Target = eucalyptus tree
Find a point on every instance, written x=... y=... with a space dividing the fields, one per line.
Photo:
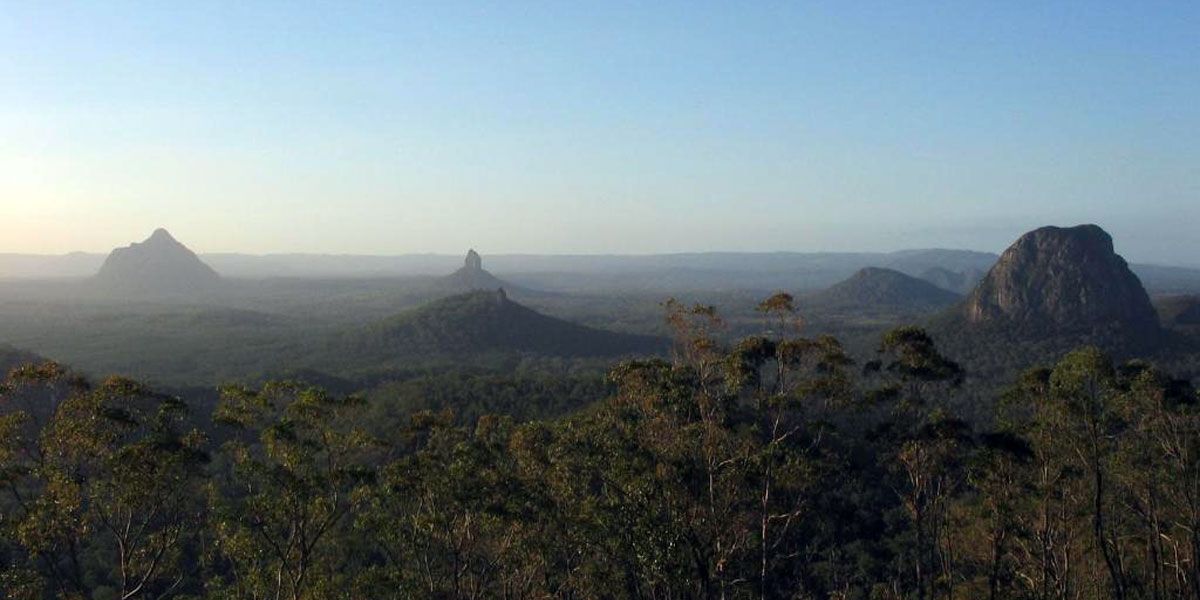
x=453 y=518
x=926 y=443
x=105 y=493
x=299 y=467
x=730 y=434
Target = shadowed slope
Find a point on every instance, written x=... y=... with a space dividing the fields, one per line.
x=489 y=323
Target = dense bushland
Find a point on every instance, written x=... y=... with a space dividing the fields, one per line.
x=774 y=467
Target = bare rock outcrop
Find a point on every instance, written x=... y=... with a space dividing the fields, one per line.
x=1058 y=278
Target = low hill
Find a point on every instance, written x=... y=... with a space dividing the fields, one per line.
x=876 y=288
x=488 y=323
x=159 y=265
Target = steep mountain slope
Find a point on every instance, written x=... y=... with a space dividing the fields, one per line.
x=873 y=287
x=471 y=276
x=483 y=323
x=1055 y=289
x=158 y=265
x=1061 y=278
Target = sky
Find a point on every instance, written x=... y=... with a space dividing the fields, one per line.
x=598 y=127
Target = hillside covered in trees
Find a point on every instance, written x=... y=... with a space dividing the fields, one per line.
x=770 y=467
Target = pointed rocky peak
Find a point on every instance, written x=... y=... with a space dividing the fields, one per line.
x=471 y=276
x=1061 y=277
x=159 y=264
x=160 y=236
x=474 y=262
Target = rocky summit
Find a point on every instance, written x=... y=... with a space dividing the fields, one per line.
x=159 y=264
x=1061 y=278
x=471 y=276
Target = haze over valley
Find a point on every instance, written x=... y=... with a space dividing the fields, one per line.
x=158 y=310
x=463 y=300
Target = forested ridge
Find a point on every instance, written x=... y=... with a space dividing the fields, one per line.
x=770 y=467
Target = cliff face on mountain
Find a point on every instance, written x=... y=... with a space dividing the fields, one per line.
x=1052 y=291
x=1057 y=278
x=471 y=277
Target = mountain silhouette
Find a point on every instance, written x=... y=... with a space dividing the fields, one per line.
x=472 y=277
x=158 y=265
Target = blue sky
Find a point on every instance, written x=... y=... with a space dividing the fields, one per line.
x=576 y=127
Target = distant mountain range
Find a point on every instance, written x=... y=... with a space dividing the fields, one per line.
x=954 y=270
x=1054 y=289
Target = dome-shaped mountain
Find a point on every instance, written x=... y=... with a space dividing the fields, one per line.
x=1057 y=278
x=479 y=323
x=873 y=287
x=158 y=265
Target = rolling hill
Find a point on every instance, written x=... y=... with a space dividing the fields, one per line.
x=874 y=288
x=487 y=323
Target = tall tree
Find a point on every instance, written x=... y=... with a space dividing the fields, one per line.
x=299 y=467
x=107 y=494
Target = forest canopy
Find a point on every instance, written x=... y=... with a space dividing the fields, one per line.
x=772 y=466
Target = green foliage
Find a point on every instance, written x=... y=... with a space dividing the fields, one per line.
x=759 y=467
x=481 y=324
x=297 y=473
x=105 y=495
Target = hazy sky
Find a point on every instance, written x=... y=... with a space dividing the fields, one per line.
x=609 y=126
